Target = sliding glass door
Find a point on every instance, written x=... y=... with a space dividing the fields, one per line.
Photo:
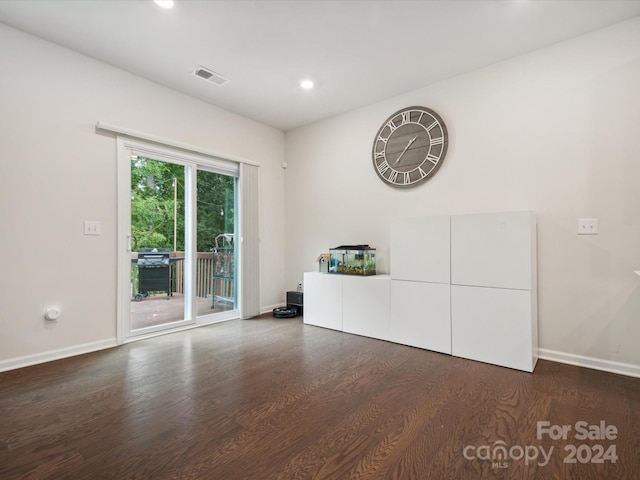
x=177 y=263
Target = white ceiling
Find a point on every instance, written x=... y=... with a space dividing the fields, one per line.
x=358 y=52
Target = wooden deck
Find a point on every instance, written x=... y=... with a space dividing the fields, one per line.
x=158 y=310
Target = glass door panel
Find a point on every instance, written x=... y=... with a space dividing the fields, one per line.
x=215 y=233
x=158 y=246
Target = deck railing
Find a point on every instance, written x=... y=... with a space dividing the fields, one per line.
x=205 y=282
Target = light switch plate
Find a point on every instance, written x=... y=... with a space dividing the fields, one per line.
x=92 y=227
x=587 y=226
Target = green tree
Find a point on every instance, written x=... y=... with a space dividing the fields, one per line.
x=215 y=208
x=152 y=205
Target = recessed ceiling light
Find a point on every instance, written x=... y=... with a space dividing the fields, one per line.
x=306 y=84
x=164 y=3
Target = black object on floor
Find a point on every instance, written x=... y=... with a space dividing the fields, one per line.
x=285 y=312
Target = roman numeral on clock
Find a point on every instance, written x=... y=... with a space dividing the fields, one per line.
x=433 y=159
x=383 y=167
x=392 y=126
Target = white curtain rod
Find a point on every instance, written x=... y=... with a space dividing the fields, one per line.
x=105 y=127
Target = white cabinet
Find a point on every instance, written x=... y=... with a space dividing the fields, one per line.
x=493 y=291
x=493 y=250
x=420 y=315
x=494 y=325
x=420 y=277
x=420 y=249
x=365 y=306
x=323 y=300
x=358 y=305
x=462 y=284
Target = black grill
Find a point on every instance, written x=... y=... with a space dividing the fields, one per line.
x=154 y=272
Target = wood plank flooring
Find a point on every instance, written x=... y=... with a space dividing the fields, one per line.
x=275 y=399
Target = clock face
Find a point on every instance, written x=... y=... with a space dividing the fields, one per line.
x=410 y=147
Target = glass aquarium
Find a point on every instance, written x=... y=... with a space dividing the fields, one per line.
x=353 y=260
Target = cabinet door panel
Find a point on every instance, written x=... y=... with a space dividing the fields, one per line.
x=365 y=309
x=493 y=325
x=420 y=249
x=420 y=315
x=493 y=250
x=323 y=300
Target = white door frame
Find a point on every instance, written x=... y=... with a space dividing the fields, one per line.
x=126 y=148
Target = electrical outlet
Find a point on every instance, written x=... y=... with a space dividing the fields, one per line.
x=92 y=227
x=587 y=226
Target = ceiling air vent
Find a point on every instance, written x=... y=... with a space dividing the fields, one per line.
x=210 y=76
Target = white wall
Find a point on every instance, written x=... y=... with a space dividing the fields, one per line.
x=554 y=131
x=56 y=172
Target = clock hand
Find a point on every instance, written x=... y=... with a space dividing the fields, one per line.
x=405 y=149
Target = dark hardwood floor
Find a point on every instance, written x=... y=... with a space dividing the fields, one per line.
x=276 y=399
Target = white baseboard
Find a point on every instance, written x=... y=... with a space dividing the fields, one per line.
x=589 y=362
x=52 y=355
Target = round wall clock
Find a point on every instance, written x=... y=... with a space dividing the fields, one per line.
x=410 y=147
